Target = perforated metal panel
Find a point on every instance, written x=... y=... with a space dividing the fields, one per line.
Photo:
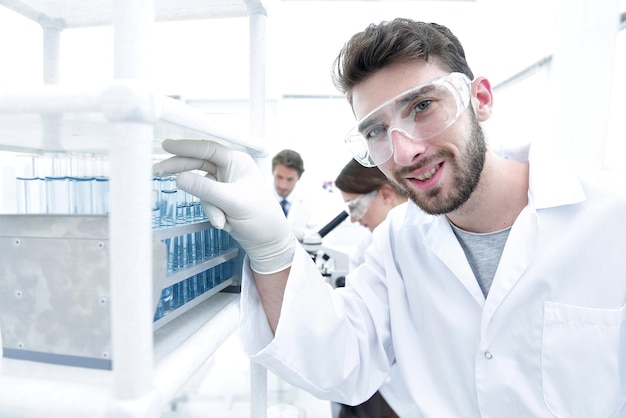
x=54 y=289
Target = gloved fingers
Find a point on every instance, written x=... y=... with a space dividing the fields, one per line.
x=224 y=196
x=204 y=150
x=178 y=164
x=211 y=176
x=214 y=214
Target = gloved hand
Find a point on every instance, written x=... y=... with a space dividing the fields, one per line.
x=234 y=198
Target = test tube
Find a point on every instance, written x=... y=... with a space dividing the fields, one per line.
x=30 y=188
x=212 y=242
x=81 y=195
x=100 y=195
x=156 y=210
x=57 y=194
x=191 y=285
x=200 y=246
x=190 y=247
x=226 y=271
x=167 y=300
x=177 y=250
x=168 y=207
x=168 y=183
x=213 y=277
x=223 y=240
x=201 y=283
x=196 y=209
x=30 y=195
x=177 y=295
x=170 y=254
x=182 y=210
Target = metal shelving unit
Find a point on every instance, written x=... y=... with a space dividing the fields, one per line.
x=126 y=121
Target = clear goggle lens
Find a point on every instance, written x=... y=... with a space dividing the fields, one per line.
x=418 y=113
x=358 y=206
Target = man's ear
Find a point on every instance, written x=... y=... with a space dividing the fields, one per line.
x=482 y=98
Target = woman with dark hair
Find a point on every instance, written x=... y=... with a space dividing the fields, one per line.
x=369 y=196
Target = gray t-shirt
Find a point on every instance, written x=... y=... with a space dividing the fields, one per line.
x=483 y=252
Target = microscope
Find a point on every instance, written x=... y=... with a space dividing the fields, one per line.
x=332 y=264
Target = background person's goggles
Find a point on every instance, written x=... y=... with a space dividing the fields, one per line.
x=358 y=206
x=418 y=113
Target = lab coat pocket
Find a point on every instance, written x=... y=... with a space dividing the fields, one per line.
x=582 y=354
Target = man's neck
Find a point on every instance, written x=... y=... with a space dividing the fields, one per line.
x=499 y=197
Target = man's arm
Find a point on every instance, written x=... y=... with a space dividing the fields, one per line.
x=271 y=288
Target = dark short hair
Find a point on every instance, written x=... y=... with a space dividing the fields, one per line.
x=358 y=179
x=398 y=40
x=290 y=159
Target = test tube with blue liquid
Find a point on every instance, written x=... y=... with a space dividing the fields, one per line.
x=101 y=195
x=57 y=194
x=30 y=195
x=224 y=240
x=168 y=207
x=226 y=271
x=81 y=194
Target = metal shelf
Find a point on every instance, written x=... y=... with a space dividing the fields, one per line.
x=127 y=121
x=31 y=389
x=76 y=14
x=61 y=119
x=198 y=268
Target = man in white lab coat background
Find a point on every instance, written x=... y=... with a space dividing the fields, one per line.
x=296 y=202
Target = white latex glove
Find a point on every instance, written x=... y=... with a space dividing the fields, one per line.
x=234 y=198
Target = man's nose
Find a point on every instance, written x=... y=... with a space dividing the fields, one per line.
x=405 y=147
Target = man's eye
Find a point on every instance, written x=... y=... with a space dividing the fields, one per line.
x=375 y=133
x=421 y=106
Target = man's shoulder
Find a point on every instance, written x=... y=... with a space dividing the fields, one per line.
x=407 y=218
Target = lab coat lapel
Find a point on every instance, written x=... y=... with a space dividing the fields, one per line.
x=518 y=252
x=442 y=241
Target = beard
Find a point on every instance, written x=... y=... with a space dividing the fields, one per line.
x=466 y=171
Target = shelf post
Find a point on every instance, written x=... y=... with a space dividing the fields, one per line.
x=258 y=18
x=51 y=69
x=130 y=223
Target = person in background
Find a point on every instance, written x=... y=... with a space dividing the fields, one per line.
x=287 y=170
x=507 y=300
x=369 y=196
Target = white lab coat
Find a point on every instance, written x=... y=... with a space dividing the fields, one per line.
x=394 y=388
x=549 y=340
x=357 y=257
x=302 y=216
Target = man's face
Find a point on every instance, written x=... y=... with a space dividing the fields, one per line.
x=285 y=180
x=440 y=173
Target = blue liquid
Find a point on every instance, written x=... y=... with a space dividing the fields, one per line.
x=101 y=196
x=30 y=195
x=168 y=207
x=81 y=194
x=57 y=195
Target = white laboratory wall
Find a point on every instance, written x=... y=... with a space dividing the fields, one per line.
x=556 y=105
x=519 y=113
x=615 y=149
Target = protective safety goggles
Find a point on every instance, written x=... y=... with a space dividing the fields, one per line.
x=418 y=113
x=358 y=206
